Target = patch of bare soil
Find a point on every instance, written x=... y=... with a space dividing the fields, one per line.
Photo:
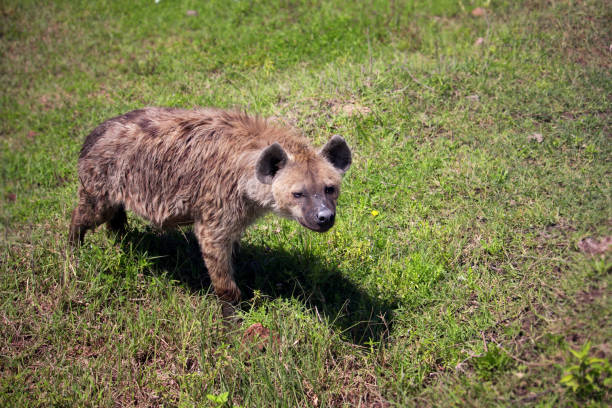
x=591 y=295
x=582 y=31
x=349 y=108
x=595 y=246
x=358 y=385
x=554 y=236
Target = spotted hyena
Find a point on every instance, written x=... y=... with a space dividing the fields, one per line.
x=218 y=170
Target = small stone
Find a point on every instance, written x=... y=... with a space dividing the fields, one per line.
x=478 y=12
x=192 y=13
x=352 y=109
x=536 y=136
x=259 y=336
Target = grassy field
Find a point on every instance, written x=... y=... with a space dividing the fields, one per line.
x=469 y=256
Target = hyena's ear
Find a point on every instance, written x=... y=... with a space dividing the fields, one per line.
x=337 y=152
x=271 y=160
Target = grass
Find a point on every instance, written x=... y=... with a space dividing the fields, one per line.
x=454 y=275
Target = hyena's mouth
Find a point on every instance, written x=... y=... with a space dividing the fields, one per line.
x=316 y=226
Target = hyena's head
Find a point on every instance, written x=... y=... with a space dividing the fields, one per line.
x=306 y=186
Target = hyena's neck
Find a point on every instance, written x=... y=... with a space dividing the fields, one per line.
x=259 y=194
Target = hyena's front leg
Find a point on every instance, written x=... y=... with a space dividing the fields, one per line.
x=217 y=254
x=90 y=212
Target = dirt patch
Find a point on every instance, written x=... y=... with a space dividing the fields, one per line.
x=595 y=246
x=602 y=350
x=351 y=109
x=530 y=323
x=358 y=386
x=591 y=295
x=554 y=236
x=535 y=136
x=53 y=100
x=19 y=344
x=561 y=225
x=581 y=31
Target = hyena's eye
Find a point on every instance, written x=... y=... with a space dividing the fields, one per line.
x=298 y=194
x=330 y=190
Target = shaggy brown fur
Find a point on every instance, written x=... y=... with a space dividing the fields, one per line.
x=218 y=170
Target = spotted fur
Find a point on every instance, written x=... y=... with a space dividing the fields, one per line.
x=218 y=170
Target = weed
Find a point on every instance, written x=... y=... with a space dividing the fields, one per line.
x=492 y=362
x=219 y=400
x=590 y=378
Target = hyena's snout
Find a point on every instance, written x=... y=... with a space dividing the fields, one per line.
x=325 y=218
x=320 y=217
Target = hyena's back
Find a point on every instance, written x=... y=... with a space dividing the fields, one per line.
x=165 y=164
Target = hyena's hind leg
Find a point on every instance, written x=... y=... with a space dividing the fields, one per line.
x=91 y=212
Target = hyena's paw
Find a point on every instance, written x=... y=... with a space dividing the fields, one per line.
x=231 y=319
x=76 y=235
x=229 y=299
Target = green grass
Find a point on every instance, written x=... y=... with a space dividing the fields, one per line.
x=468 y=288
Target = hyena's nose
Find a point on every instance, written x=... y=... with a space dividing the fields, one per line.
x=325 y=216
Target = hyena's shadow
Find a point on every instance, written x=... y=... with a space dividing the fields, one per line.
x=275 y=273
